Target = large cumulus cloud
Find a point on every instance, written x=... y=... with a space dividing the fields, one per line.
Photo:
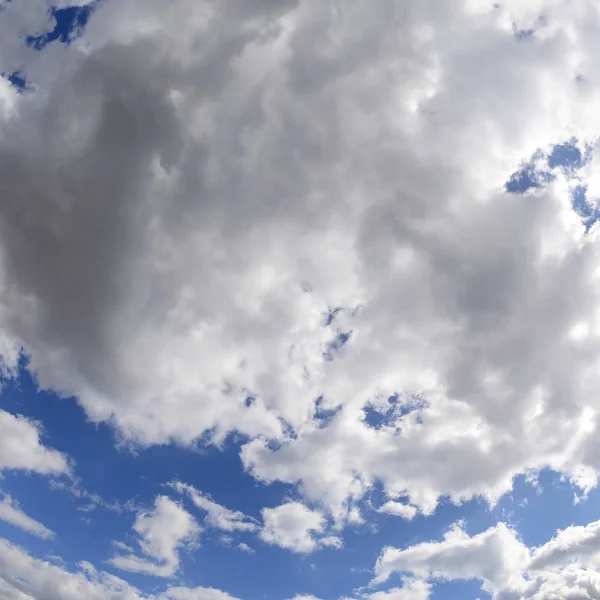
x=188 y=192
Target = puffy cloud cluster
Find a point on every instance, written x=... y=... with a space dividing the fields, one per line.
x=296 y=527
x=292 y=525
x=161 y=533
x=564 y=567
x=275 y=218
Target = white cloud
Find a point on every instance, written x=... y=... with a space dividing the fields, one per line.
x=217 y=516
x=495 y=556
x=28 y=578
x=406 y=511
x=207 y=180
x=331 y=541
x=195 y=594
x=12 y=513
x=412 y=589
x=575 y=543
x=21 y=447
x=245 y=548
x=564 y=567
x=187 y=190
x=292 y=526
x=23 y=577
x=162 y=533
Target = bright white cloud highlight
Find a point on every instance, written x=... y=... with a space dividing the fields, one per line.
x=295 y=527
x=161 y=534
x=406 y=511
x=181 y=593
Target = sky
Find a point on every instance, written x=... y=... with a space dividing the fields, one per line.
x=299 y=300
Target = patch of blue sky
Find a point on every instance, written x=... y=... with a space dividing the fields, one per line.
x=568 y=157
x=69 y=22
x=17 y=79
x=335 y=346
x=376 y=417
x=331 y=314
x=325 y=415
x=538 y=510
x=589 y=211
x=528 y=176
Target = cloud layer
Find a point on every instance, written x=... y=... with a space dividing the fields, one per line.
x=288 y=221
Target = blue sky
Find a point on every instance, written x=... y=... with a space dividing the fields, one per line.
x=290 y=310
